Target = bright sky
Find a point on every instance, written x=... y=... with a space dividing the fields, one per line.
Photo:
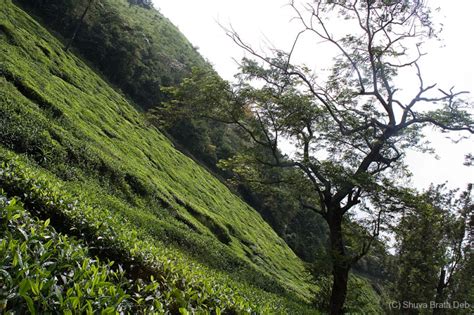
x=264 y=23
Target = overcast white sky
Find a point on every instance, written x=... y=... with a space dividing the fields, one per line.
x=261 y=22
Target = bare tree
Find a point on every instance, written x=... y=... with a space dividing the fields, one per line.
x=351 y=130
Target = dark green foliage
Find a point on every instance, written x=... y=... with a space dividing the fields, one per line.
x=420 y=254
x=139 y=50
x=43 y=271
x=377 y=265
x=306 y=235
x=462 y=288
x=147 y=4
x=128 y=179
x=434 y=256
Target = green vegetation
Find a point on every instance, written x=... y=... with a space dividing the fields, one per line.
x=71 y=127
x=78 y=155
x=349 y=132
x=45 y=271
x=46 y=257
x=137 y=49
x=435 y=240
x=141 y=52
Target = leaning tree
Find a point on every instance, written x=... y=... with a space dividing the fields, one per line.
x=350 y=129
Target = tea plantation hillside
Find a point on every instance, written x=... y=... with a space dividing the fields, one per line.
x=98 y=210
x=78 y=154
x=140 y=51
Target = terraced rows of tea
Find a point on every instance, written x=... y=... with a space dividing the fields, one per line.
x=76 y=153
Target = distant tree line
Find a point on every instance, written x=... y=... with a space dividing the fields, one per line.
x=147 y=4
x=138 y=55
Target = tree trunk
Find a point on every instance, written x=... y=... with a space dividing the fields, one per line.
x=78 y=25
x=439 y=292
x=339 y=290
x=340 y=264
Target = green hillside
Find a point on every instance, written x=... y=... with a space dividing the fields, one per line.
x=135 y=180
x=66 y=134
x=140 y=51
x=137 y=49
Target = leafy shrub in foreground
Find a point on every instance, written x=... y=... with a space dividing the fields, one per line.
x=44 y=271
x=163 y=281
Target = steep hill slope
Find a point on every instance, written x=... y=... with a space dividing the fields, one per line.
x=71 y=128
x=140 y=51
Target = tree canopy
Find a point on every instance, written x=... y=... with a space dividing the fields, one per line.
x=433 y=244
x=350 y=131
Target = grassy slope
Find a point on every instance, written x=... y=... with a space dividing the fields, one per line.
x=137 y=49
x=38 y=275
x=69 y=121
